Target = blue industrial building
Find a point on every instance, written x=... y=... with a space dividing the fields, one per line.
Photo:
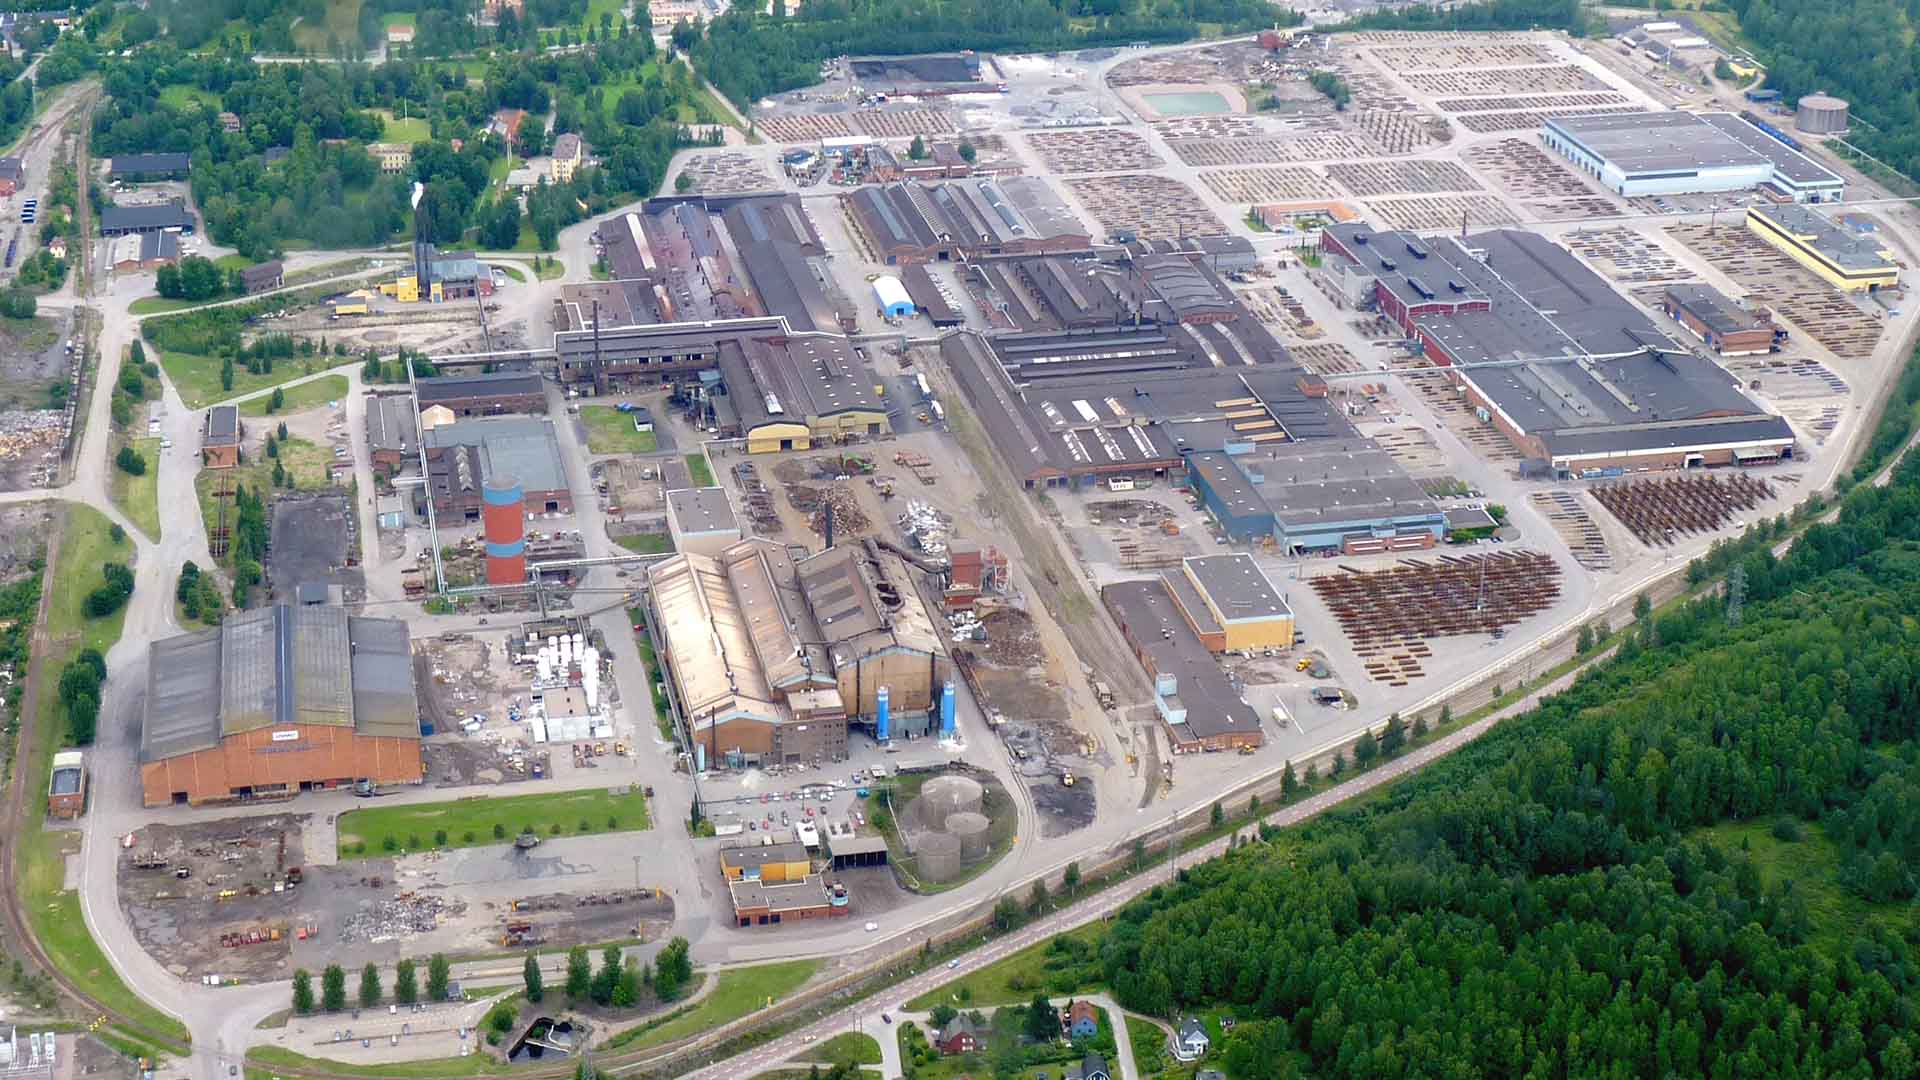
x=1343 y=495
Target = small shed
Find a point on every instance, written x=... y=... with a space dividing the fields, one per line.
x=892 y=297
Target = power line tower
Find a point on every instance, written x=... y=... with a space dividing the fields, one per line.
x=1736 y=593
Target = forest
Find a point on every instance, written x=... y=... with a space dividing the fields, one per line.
x=748 y=55
x=1488 y=15
x=1861 y=50
x=1556 y=898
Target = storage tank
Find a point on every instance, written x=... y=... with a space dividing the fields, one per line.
x=503 y=517
x=1821 y=114
x=944 y=796
x=971 y=830
x=938 y=857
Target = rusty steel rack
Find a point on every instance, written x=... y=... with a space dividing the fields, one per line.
x=1660 y=512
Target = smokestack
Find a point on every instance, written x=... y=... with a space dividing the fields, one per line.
x=504 y=525
x=422 y=246
x=829 y=529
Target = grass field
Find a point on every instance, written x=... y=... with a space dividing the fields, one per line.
x=472 y=1065
x=300 y=398
x=397 y=18
x=646 y=543
x=1812 y=863
x=610 y=431
x=738 y=993
x=160 y=305
x=410 y=129
x=40 y=854
x=181 y=95
x=472 y=822
x=1009 y=981
x=138 y=497
x=198 y=377
x=848 y=1047
x=513 y=273
x=699 y=470
x=233 y=261
x=305 y=461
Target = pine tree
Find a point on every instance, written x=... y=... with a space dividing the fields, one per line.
x=369 y=986
x=302 y=992
x=536 y=989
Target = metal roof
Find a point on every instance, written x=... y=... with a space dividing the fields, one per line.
x=1651 y=142
x=170 y=215
x=701 y=510
x=521 y=447
x=492 y=383
x=1237 y=586
x=145 y=164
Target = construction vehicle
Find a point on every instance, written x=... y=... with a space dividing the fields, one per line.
x=1066 y=778
x=1303 y=663
x=526 y=841
x=1103 y=694
x=1246 y=750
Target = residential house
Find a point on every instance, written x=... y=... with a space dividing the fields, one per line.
x=569 y=153
x=400 y=34
x=960 y=1036
x=1091 y=1067
x=506 y=124
x=1190 y=1040
x=491 y=9
x=1080 y=1020
x=13 y=175
x=229 y=123
x=393 y=157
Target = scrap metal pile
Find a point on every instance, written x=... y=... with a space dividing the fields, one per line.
x=397 y=918
x=925 y=527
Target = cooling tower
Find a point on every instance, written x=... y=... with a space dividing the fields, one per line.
x=503 y=516
x=971 y=830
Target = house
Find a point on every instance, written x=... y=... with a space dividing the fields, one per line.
x=220 y=439
x=400 y=34
x=229 y=123
x=1079 y=1020
x=506 y=124
x=569 y=153
x=1190 y=1040
x=13 y=175
x=267 y=275
x=67 y=788
x=393 y=157
x=960 y=1036
x=145 y=251
x=1091 y=1067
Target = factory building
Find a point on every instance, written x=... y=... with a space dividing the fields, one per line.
x=760 y=904
x=220 y=437
x=1844 y=259
x=1726 y=327
x=701 y=520
x=769 y=864
x=1345 y=495
x=1231 y=603
x=1198 y=705
x=1679 y=153
x=490 y=394
x=278 y=700
x=462 y=456
x=1603 y=388
x=911 y=222
x=769 y=657
x=171 y=216
x=393 y=432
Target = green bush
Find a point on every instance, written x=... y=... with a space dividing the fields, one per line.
x=440 y=837
x=388 y=843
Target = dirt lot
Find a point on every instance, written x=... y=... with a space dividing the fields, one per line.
x=462 y=676
x=316 y=540
x=33 y=362
x=234 y=869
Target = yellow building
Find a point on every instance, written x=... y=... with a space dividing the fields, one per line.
x=806 y=391
x=350 y=307
x=569 y=152
x=1231 y=604
x=766 y=863
x=1847 y=260
x=393 y=157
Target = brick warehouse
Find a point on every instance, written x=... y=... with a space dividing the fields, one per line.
x=279 y=700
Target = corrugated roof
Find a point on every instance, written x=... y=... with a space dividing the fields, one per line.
x=182 y=711
x=384 y=702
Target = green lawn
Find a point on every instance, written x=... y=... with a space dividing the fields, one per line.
x=1812 y=863
x=40 y=855
x=610 y=431
x=552 y=270
x=300 y=398
x=699 y=470
x=471 y=822
x=848 y=1047
x=198 y=377
x=138 y=497
x=740 y=991
x=397 y=18
x=412 y=129
x=646 y=543
x=513 y=273
x=307 y=463
x=233 y=261
x=160 y=305
x=1016 y=978
x=472 y=1065
x=182 y=95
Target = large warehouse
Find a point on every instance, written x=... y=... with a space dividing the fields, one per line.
x=278 y=700
x=1844 y=259
x=1679 y=153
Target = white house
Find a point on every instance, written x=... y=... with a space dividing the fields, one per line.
x=1190 y=1041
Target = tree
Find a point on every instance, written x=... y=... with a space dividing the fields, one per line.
x=1419 y=727
x=1583 y=641
x=917 y=150
x=1037 y=898
x=1216 y=815
x=967 y=152
x=579 y=972
x=129 y=461
x=626 y=991
x=369 y=986
x=530 y=974
x=1394 y=739
x=1006 y=914
x=1042 y=1020
x=941 y=1016
x=277 y=400
x=406 y=985
x=226 y=374
x=607 y=979
x=673 y=969
x=1642 y=607
x=1289 y=784
x=333 y=988
x=439 y=975
x=302 y=992
x=1070 y=877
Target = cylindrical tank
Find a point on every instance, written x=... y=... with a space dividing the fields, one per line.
x=1821 y=114
x=971 y=830
x=503 y=519
x=882 y=716
x=944 y=796
x=946 y=710
x=938 y=857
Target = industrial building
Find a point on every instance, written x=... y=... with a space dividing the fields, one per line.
x=67 y=786
x=1821 y=114
x=891 y=297
x=463 y=456
x=1678 y=153
x=1726 y=327
x=393 y=432
x=770 y=864
x=277 y=700
x=263 y=276
x=911 y=222
x=768 y=657
x=1592 y=387
x=140 y=168
x=1197 y=704
x=701 y=520
x=1234 y=600
x=167 y=216
x=1843 y=258
x=489 y=394
x=220 y=437
x=133 y=252
x=757 y=903
x=1338 y=494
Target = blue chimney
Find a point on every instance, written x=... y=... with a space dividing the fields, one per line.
x=946 y=710
x=883 y=717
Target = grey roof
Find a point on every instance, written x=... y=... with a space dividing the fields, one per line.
x=1345 y=482
x=1183 y=286
x=490 y=384
x=11 y=168
x=168 y=215
x=1228 y=482
x=521 y=447
x=811 y=375
x=1153 y=623
x=1045 y=212
x=392 y=423
x=809 y=892
x=701 y=510
x=255 y=276
x=972 y=213
x=159 y=245
x=1653 y=142
x=144 y=164
x=926 y=295
x=758 y=855
x=1712 y=308
x=275 y=666
x=787 y=286
x=1842 y=247
x=223 y=424
x=65 y=781
x=1797 y=168
x=1237 y=586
